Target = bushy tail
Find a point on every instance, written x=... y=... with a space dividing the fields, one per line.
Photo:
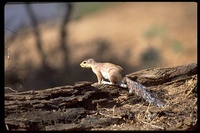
x=141 y=90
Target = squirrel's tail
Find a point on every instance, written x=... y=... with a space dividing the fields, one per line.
x=141 y=90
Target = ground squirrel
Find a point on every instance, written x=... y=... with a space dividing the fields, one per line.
x=109 y=71
x=114 y=74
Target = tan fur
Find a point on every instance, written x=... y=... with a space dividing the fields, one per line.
x=112 y=72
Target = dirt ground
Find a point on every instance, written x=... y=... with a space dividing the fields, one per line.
x=133 y=35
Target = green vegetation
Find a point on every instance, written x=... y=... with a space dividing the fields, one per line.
x=160 y=32
x=86 y=8
x=155 y=31
x=176 y=46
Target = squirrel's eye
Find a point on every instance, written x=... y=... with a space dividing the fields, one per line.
x=84 y=62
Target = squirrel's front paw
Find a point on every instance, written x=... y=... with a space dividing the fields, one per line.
x=96 y=83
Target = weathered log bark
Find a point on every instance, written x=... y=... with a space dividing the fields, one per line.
x=88 y=106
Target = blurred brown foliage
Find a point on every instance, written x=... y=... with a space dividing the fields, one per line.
x=134 y=35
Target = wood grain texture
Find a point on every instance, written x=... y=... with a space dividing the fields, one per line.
x=88 y=106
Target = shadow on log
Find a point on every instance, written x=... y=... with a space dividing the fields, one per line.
x=88 y=106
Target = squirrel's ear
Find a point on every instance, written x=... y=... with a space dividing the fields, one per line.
x=91 y=60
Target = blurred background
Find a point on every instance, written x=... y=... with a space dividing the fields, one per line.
x=46 y=42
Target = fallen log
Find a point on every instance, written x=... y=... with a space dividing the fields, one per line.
x=88 y=106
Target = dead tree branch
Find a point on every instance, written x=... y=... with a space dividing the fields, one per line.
x=87 y=106
x=36 y=31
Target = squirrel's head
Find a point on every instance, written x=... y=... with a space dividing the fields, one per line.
x=87 y=63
